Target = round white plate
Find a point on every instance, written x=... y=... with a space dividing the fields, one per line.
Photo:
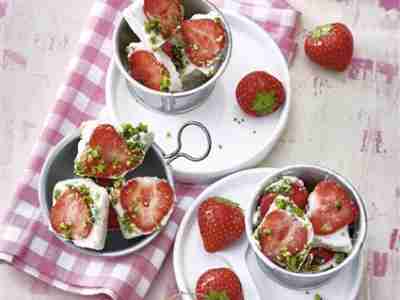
x=235 y=146
x=191 y=260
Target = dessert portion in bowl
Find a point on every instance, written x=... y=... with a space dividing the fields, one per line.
x=80 y=207
x=302 y=232
x=173 y=53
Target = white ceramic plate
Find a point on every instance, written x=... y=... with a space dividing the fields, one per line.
x=191 y=260
x=235 y=146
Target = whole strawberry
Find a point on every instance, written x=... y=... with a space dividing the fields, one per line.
x=330 y=46
x=219 y=284
x=221 y=223
x=260 y=94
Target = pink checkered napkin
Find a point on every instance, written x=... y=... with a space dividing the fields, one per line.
x=25 y=241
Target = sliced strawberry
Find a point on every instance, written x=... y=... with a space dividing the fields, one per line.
x=204 y=38
x=265 y=203
x=108 y=154
x=70 y=216
x=322 y=255
x=299 y=194
x=105 y=182
x=113 y=220
x=146 y=69
x=169 y=13
x=168 y=49
x=147 y=201
x=333 y=208
x=281 y=231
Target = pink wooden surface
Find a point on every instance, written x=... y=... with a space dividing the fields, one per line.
x=347 y=121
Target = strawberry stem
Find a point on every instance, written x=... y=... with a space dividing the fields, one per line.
x=264 y=102
x=321 y=31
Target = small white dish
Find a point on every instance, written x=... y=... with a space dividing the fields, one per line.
x=235 y=146
x=240 y=187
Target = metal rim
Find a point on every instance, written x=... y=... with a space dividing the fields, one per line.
x=177 y=95
x=360 y=238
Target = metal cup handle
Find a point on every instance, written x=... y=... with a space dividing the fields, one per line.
x=177 y=153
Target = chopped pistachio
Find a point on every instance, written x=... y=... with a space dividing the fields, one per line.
x=152 y=26
x=142 y=127
x=317 y=297
x=126 y=223
x=165 y=82
x=100 y=168
x=281 y=203
x=79 y=168
x=268 y=231
x=338 y=205
x=57 y=194
x=94 y=153
x=340 y=257
x=66 y=230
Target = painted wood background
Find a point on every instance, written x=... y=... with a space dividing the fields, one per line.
x=349 y=122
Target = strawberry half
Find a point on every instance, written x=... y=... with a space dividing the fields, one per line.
x=70 y=216
x=147 y=201
x=221 y=222
x=333 y=208
x=265 y=203
x=108 y=155
x=219 y=284
x=204 y=39
x=260 y=94
x=330 y=46
x=321 y=255
x=146 y=69
x=280 y=231
x=165 y=16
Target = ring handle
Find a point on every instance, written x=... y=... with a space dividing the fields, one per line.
x=177 y=153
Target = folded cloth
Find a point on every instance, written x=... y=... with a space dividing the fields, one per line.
x=25 y=241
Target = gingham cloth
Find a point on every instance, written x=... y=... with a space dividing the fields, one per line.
x=25 y=241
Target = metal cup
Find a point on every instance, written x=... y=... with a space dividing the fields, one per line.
x=311 y=175
x=166 y=102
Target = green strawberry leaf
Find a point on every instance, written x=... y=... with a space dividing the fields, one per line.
x=216 y=295
x=264 y=102
x=321 y=31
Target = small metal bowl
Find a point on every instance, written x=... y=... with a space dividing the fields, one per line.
x=165 y=102
x=311 y=175
x=59 y=166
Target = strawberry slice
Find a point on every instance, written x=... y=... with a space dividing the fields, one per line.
x=108 y=154
x=113 y=220
x=333 y=208
x=204 y=38
x=147 y=201
x=265 y=203
x=299 y=194
x=146 y=69
x=167 y=13
x=280 y=231
x=70 y=216
x=322 y=255
x=168 y=49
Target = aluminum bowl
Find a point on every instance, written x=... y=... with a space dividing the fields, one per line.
x=165 y=102
x=311 y=175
